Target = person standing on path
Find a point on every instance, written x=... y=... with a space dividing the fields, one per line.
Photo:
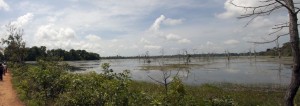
x=1 y=71
x=4 y=68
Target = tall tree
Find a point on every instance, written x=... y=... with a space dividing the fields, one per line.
x=35 y=52
x=15 y=50
x=267 y=7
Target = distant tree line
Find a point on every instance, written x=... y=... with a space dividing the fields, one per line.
x=173 y=56
x=285 y=50
x=35 y=52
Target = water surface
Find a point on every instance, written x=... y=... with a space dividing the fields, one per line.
x=217 y=70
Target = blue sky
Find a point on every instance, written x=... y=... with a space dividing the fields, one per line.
x=132 y=27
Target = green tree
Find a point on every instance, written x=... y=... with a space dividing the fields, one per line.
x=35 y=52
x=15 y=50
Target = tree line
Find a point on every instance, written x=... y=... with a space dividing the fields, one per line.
x=285 y=50
x=34 y=53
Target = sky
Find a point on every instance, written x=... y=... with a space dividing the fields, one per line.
x=132 y=27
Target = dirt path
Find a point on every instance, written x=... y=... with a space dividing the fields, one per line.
x=8 y=95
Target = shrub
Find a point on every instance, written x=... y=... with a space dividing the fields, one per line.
x=50 y=83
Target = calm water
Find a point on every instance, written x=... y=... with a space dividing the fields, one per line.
x=239 y=70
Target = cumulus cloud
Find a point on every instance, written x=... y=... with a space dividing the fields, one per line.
x=232 y=42
x=166 y=21
x=54 y=36
x=121 y=25
x=155 y=29
x=176 y=38
x=172 y=37
x=54 y=33
x=156 y=25
x=23 y=20
x=233 y=11
x=93 y=38
x=4 y=5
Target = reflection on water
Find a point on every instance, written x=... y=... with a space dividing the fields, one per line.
x=239 y=70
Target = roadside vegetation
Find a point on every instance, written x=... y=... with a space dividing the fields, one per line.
x=50 y=84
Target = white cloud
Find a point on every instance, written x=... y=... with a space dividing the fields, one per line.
x=125 y=28
x=145 y=41
x=261 y=22
x=115 y=40
x=170 y=21
x=156 y=25
x=208 y=43
x=155 y=30
x=93 y=38
x=172 y=37
x=166 y=21
x=233 y=11
x=232 y=42
x=53 y=36
x=184 y=41
x=4 y=5
x=54 y=33
x=23 y=20
x=155 y=47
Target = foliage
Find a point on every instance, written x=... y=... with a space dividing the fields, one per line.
x=41 y=84
x=50 y=83
x=225 y=101
x=285 y=49
x=35 y=53
x=15 y=50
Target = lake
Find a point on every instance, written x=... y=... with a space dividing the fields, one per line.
x=241 y=70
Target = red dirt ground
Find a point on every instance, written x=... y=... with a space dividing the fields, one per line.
x=8 y=96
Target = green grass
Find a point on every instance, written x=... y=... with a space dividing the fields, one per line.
x=243 y=95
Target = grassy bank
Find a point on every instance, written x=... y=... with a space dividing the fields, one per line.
x=49 y=83
x=240 y=95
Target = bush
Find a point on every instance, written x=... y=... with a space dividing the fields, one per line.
x=225 y=101
x=50 y=83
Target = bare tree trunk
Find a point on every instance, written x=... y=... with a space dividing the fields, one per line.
x=266 y=8
x=278 y=49
x=294 y=40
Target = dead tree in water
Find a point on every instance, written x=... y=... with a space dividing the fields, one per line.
x=162 y=56
x=147 y=58
x=227 y=54
x=188 y=58
x=266 y=7
x=278 y=49
x=254 y=54
x=250 y=54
